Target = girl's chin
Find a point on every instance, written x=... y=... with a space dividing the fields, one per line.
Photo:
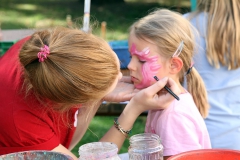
x=139 y=86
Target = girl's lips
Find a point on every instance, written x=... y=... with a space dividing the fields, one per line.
x=133 y=79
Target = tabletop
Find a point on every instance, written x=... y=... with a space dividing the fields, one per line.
x=15 y=34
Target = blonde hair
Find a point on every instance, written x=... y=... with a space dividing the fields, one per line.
x=167 y=29
x=223 y=32
x=79 y=69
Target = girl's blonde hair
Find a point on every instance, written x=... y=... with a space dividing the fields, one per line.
x=167 y=29
x=223 y=32
x=79 y=69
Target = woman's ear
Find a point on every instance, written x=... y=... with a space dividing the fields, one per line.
x=176 y=65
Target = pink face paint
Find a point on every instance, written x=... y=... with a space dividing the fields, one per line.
x=149 y=68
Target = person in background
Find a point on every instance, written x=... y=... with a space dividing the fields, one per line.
x=52 y=84
x=162 y=44
x=218 y=62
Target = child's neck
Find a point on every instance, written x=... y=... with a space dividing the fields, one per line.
x=183 y=90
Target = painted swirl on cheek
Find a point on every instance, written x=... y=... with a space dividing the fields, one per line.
x=149 y=68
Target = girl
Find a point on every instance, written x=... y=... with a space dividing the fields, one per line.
x=162 y=44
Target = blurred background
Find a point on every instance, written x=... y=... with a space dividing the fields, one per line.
x=115 y=16
x=118 y=14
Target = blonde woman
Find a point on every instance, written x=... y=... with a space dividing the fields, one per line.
x=218 y=62
x=162 y=44
x=52 y=84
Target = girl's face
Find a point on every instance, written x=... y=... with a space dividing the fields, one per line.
x=146 y=62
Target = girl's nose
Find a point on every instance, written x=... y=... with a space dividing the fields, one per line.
x=131 y=65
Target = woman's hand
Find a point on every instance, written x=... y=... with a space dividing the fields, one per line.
x=124 y=91
x=147 y=99
x=154 y=97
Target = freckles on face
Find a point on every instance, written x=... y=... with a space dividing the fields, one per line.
x=149 y=68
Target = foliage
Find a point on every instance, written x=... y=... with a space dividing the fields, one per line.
x=21 y=14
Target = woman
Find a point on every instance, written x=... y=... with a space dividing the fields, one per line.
x=52 y=84
x=218 y=63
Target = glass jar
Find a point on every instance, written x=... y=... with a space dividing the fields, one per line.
x=99 y=151
x=36 y=155
x=145 y=146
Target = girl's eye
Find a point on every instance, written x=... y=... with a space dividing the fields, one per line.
x=130 y=57
x=142 y=61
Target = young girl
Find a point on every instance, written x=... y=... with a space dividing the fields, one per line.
x=162 y=44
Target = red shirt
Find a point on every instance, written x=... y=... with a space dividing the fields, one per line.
x=24 y=123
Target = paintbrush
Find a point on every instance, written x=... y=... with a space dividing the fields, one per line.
x=168 y=89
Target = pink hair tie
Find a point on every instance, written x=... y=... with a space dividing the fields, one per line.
x=44 y=51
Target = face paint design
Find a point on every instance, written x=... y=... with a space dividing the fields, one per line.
x=149 y=68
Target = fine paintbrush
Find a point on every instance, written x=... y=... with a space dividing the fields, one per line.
x=168 y=89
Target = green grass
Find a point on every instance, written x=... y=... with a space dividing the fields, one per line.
x=15 y=14
x=101 y=124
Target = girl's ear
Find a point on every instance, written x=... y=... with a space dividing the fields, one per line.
x=176 y=65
